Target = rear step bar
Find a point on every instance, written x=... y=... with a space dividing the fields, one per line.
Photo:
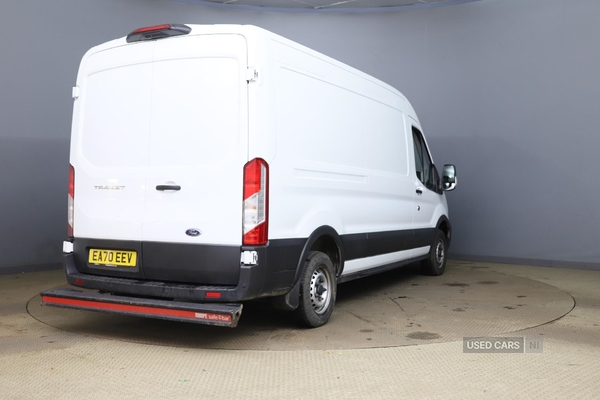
x=199 y=313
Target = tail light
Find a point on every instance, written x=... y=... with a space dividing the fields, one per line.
x=71 y=200
x=256 y=202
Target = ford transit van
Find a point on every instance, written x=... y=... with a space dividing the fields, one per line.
x=214 y=164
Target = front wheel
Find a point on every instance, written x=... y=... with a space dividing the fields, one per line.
x=435 y=264
x=317 y=290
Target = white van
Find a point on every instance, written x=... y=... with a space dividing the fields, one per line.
x=216 y=164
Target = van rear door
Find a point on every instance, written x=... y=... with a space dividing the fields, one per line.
x=197 y=140
x=159 y=146
x=111 y=121
x=197 y=149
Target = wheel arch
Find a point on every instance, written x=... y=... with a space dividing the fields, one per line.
x=324 y=239
x=445 y=226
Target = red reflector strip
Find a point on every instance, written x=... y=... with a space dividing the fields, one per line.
x=136 y=309
x=213 y=295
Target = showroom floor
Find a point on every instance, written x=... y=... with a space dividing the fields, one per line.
x=395 y=335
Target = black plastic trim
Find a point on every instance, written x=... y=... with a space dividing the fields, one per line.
x=280 y=257
x=170 y=262
x=167 y=187
x=191 y=263
x=194 y=271
x=290 y=299
x=383 y=268
x=247 y=288
x=310 y=242
x=443 y=219
x=188 y=271
x=364 y=245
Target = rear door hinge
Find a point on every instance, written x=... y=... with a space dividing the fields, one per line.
x=75 y=92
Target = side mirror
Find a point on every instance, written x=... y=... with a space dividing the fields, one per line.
x=449 y=177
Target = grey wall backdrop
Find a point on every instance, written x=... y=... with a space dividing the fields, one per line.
x=508 y=90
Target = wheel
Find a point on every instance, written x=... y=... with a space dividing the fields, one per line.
x=435 y=264
x=317 y=290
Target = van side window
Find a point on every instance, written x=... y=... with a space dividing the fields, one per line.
x=418 y=158
x=426 y=171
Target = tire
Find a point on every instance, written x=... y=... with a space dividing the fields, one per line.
x=435 y=264
x=318 y=290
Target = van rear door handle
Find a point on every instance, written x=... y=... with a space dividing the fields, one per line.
x=168 y=187
x=419 y=190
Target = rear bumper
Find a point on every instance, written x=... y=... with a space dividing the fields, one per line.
x=250 y=285
x=203 y=313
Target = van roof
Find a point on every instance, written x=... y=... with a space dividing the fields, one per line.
x=249 y=32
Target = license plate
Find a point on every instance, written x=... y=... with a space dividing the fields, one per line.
x=113 y=258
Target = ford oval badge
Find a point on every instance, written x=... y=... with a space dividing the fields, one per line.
x=193 y=232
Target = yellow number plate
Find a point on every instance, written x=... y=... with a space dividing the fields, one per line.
x=113 y=258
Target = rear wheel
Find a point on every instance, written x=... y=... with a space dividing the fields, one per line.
x=435 y=264
x=317 y=290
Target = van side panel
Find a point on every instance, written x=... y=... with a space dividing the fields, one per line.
x=342 y=157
